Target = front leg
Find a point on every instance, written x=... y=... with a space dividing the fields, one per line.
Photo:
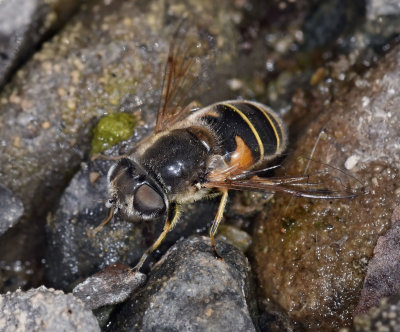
x=168 y=226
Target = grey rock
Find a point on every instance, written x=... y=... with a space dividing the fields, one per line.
x=382 y=24
x=113 y=285
x=234 y=236
x=274 y=318
x=23 y=25
x=376 y=8
x=48 y=112
x=73 y=254
x=325 y=23
x=44 y=309
x=189 y=289
x=109 y=58
x=11 y=209
x=385 y=318
x=383 y=274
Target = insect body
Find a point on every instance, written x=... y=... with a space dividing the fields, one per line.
x=186 y=162
x=201 y=154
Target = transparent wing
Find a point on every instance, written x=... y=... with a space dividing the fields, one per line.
x=330 y=183
x=190 y=56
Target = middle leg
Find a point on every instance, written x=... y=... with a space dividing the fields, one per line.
x=217 y=220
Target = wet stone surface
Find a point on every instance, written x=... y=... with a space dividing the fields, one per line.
x=11 y=209
x=383 y=274
x=108 y=58
x=311 y=255
x=190 y=283
x=44 y=309
x=73 y=254
x=110 y=286
x=234 y=236
x=23 y=25
x=301 y=57
x=386 y=317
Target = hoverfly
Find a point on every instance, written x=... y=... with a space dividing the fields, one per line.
x=200 y=154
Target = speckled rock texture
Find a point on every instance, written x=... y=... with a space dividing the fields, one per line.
x=23 y=25
x=44 y=309
x=109 y=58
x=319 y=64
x=11 y=209
x=311 y=255
x=73 y=253
x=383 y=274
x=189 y=289
x=385 y=317
x=110 y=286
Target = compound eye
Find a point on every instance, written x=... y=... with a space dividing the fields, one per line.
x=148 y=201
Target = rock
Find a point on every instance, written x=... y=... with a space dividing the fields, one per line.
x=273 y=318
x=11 y=209
x=44 y=309
x=384 y=318
x=311 y=255
x=73 y=254
x=383 y=274
x=23 y=25
x=382 y=23
x=107 y=288
x=234 y=236
x=109 y=58
x=110 y=286
x=189 y=289
x=326 y=22
x=378 y=8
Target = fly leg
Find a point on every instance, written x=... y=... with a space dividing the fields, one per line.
x=217 y=220
x=92 y=233
x=168 y=226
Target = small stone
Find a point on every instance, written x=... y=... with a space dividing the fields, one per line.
x=189 y=289
x=22 y=31
x=235 y=236
x=318 y=76
x=384 y=318
x=46 y=310
x=93 y=177
x=351 y=162
x=46 y=124
x=110 y=286
x=235 y=84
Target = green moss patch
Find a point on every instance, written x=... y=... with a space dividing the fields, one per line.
x=111 y=130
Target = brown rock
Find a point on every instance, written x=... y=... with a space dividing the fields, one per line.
x=311 y=255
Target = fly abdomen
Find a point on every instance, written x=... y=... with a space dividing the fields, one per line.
x=248 y=132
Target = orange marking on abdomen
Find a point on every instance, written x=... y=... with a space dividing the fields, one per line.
x=242 y=157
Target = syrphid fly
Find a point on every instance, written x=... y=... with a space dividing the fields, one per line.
x=199 y=153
